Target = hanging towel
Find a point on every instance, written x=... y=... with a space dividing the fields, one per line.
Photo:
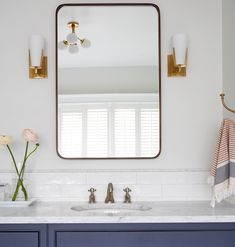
x=222 y=173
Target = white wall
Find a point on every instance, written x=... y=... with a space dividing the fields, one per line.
x=228 y=20
x=191 y=109
x=93 y=80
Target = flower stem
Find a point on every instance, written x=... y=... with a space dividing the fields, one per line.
x=20 y=184
x=16 y=191
x=12 y=156
x=27 y=156
x=20 y=180
x=37 y=145
x=25 y=192
x=24 y=161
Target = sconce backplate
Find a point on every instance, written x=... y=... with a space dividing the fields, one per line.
x=174 y=70
x=39 y=73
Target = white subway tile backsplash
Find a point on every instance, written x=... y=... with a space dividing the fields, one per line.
x=146 y=198
x=161 y=178
x=115 y=178
x=57 y=178
x=197 y=177
x=145 y=186
x=146 y=192
x=173 y=198
x=39 y=190
x=72 y=190
x=186 y=191
x=6 y=177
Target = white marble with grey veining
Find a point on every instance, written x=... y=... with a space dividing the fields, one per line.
x=160 y=212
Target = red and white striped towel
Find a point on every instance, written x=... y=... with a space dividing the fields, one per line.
x=222 y=172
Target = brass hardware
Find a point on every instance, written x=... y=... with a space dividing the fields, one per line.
x=109 y=197
x=224 y=104
x=127 y=195
x=38 y=72
x=73 y=25
x=173 y=69
x=92 y=195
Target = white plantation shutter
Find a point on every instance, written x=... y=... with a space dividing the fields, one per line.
x=149 y=132
x=71 y=134
x=109 y=129
x=124 y=133
x=97 y=133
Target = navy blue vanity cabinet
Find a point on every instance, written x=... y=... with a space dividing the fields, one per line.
x=142 y=235
x=23 y=235
x=118 y=235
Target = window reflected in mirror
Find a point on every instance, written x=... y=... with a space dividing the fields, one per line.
x=110 y=127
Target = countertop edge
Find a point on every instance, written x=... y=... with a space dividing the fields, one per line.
x=117 y=220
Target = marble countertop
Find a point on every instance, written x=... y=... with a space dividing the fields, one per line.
x=160 y=212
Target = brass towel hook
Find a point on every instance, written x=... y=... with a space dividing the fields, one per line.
x=223 y=102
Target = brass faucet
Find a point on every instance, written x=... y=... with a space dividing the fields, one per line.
x=109 y=197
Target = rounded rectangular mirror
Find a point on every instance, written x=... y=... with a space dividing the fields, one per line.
x=108 y=81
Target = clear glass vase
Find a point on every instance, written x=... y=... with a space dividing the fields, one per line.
x=17 y=193
x=19 y=187
x=3 y=191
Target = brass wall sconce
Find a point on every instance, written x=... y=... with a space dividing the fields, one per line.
x=177 y=62
x=37 y=60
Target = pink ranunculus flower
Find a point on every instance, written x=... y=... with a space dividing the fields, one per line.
x=29 y=135
x=5 y=140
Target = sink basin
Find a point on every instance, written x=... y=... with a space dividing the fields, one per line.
x=116 y=208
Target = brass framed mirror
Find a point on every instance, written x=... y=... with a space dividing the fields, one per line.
x=108 y=81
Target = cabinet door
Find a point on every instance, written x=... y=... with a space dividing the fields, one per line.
x=23 y=235
x=19 y=239
x=146 y=239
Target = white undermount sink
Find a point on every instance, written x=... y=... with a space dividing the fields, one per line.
x=114 y=208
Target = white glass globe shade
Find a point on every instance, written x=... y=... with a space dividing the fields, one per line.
x=62 y=45
x=73 y=49
x=85 y=43
x=72 y=38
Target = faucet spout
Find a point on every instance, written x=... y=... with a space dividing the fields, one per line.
x=109 y=196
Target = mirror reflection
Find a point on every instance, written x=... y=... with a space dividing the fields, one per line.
x=108 y=81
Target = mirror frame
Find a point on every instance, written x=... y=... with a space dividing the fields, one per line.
x=159 y=77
